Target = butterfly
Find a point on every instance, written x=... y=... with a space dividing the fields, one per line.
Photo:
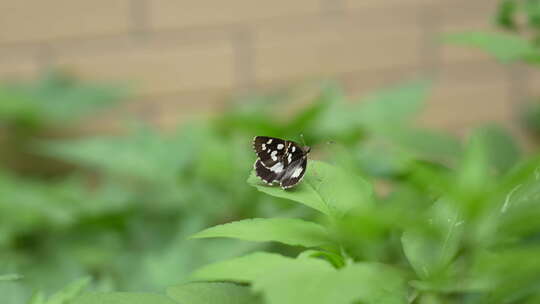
x=279 y=160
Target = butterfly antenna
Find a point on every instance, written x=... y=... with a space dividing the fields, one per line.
x=303 y=141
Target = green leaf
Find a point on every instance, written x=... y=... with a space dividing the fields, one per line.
x=423 y=143
x=306 y=281
x=212 y=293
x=504 y=47
x=474 y=179
x=429 y=252
x=242 y=269
x=394 y=105
x=303 y=193
x=335 y=259
x=502 y=151
x=329 y=189
x=532 y=8
x=511 y=273
x=65 y=296
x=124 y=298
x=10 y=277
x=69 y=292
x=506 y=12
x=54 y=99
x=37 y=298
x=144 y=154
x=520 y=209
x=293 y=232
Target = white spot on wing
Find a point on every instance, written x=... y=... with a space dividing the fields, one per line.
x=280 y=146
x=289 y=158
x=269 y=141
x=297 y=172
x=273 y=155
x=263 y=146
x=277 y=168
x=293 y=149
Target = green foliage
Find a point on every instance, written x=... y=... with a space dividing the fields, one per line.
x=55 y=99
x=146 y=154
x=505 y=14
x=393 y=106
x=327 y=189
x=293 y=232
x=503 y=152
x=442 y=244
x=521 y=20
x=310 y=280
x=520 y=16
x=212 y=293
x=65 y=296
x=519 y=43
x=10 y=277
x=530 y=118
x=449 y=227
x=430 y=251
x=124 y=298
x=505 y=47
x=242 y=269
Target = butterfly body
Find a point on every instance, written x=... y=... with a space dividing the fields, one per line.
x=279 y=160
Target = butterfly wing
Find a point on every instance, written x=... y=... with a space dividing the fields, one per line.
x=280 y=161
x=266 y=175
x=293 y=152
x=294 y=173
x=270 y=150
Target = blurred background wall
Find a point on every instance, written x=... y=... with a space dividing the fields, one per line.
x=185 y=57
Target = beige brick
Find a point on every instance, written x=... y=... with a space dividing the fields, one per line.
x=171 y=14
x=388 y=4
x=172 y=111
x=387 y=15
x=164 y=112
x=453 y=53
x=360 y=84
x=158 y=68
x=466 y=96
x=26 y=20
x=179 y=104
x=20 y=70
x=462 y=108
x=457 y=12
x=18 y=64
x=465 y=16
x=459 y=53
x=534 y=83
x=329 y=49
x=472 y=73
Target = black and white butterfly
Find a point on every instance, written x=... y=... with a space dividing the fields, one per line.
x=279 y=160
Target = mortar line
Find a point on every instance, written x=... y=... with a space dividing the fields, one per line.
x=430 y=52
x=140 y=19
x=243 y=59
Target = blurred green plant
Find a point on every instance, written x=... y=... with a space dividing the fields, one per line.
x=355 y=252
x=463 y=235
x=38 y=109
x=123 y=212
x=519 y=43
x=55 y=99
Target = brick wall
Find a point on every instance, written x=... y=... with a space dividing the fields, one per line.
x=185 y=56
